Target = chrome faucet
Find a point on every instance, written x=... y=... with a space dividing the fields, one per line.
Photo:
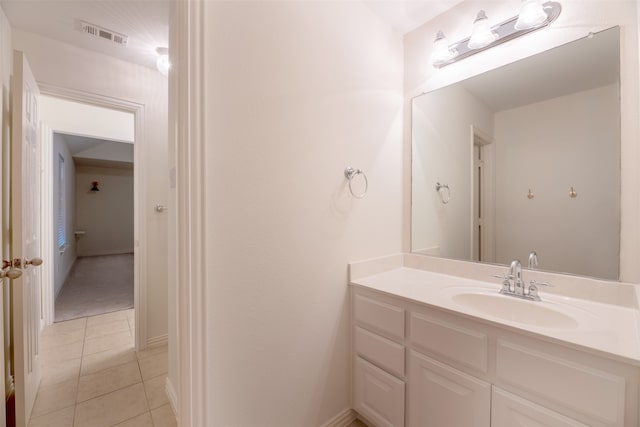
x=516 y=276
x=533 y=260
x=519 y=289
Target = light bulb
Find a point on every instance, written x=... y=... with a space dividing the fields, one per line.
x=531 y=15
x=481 y=34
x=441 y=51
x=162 y=63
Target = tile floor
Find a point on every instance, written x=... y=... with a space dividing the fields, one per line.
x=93 y=377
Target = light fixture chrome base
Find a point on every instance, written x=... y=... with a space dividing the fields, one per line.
x=505 y=30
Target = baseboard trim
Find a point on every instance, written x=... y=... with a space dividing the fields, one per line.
x=159 y=340
x=343 y=419
x=173 y=398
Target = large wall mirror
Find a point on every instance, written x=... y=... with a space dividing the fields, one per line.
x=524 y=158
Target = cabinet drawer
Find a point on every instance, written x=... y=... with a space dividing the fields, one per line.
x=509 y=410
x=586 y=390
x=461 y=345
x=441 y=396
x=381 y=351
x=379 y=316
x=379 y=396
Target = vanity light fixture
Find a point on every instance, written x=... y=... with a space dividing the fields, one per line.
x=441 y=50
x=484 y=37
x=531 y=15
x=481 y=34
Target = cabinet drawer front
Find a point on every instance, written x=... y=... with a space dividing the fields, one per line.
x=509 y=410
x=378 y=396
x=380 y=316
x=381 y=351
x=598 y=395
x=470 y=348
x=440 y=396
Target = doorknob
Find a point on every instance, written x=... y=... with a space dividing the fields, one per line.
x=12 y=273
x=35 y=262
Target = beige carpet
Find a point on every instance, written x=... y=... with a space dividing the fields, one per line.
x=96 y=285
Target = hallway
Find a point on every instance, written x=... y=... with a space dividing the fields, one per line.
x=93 y=377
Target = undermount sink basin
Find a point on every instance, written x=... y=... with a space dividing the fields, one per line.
x=543 y=314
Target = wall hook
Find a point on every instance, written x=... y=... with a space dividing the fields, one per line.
x=530 y=194
x=572 y=193
x=94 y=186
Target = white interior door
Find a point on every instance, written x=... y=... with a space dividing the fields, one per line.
x=25 y=236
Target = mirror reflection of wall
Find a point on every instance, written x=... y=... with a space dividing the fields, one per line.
x=511 y=144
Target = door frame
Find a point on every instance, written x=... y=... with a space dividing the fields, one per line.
x=139 y=206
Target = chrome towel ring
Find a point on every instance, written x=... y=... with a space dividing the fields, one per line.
x=444 y=197
x=350 y=173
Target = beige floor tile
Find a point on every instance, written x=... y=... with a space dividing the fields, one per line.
x=61 y=418
x=55 y=397
x=109 y=380
x=143 y=420
x=115 y=341
x=164 y=417
x=112 y=408
x=106 y=318
x=152 y=351
x=155 y=389
x=63 y=352
x=102 y=329
x=60 y=371
x=61 y=338
x=69 y=325
x=97 y=362
x=153 y=366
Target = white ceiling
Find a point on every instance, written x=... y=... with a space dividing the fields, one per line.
x=146 y=22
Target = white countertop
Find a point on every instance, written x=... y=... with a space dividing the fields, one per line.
x=605 y=329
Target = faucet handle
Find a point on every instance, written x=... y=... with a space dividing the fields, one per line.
x=536 y=283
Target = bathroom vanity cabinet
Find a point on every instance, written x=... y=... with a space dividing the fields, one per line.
x=418 y=365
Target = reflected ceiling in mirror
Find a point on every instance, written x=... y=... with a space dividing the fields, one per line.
x=524 y=158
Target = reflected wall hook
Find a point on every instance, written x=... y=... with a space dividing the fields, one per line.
x=572 y=193
x=350 y=173
x=443 y=198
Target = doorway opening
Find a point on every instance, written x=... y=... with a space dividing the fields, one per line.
x=92 y=226
x=98 y=139
x=482 y=197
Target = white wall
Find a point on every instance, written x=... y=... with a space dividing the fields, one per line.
x=88 y=120
x=441 y=138
x=106 y=216
x=578 y=18
x=62 y=65
x=294 y=93
x=63 y=261
x=554 y=135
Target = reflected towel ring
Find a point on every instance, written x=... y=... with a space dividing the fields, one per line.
x=444 y=199
x=351 y=173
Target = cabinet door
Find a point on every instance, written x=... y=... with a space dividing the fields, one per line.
x=378 y=395
x=509 y=410
x=441 y=396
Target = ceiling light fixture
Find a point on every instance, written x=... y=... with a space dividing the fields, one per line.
x=162 y=63
x=484 y=37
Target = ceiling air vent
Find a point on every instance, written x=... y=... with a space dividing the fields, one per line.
x=103 y=33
